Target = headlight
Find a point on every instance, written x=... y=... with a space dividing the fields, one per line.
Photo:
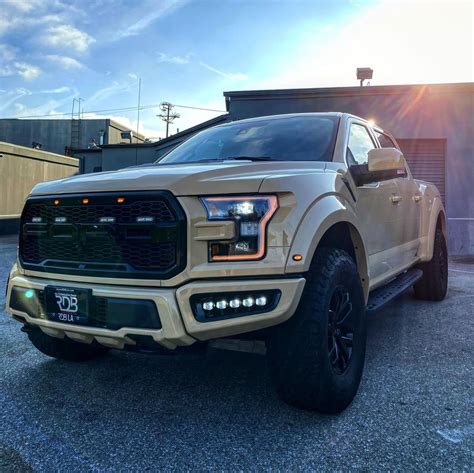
x=251 y=216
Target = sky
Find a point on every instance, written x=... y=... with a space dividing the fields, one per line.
x=188 y=52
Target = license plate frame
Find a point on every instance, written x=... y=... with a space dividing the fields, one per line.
x=68 y=304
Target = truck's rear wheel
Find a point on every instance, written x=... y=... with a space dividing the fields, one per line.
x=64 y=348
x=317 y=357
x=433 y=286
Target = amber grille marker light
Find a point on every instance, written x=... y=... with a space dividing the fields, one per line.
x=56 y=202
x=120 y=200
x=85 y=201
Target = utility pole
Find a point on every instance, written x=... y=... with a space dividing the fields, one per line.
x=79 y=101
x=138 y=108
x=167 y=116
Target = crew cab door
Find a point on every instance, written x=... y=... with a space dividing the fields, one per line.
x=408 y=233
x=377 y=206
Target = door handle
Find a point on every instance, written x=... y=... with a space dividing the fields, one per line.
x=417 y=198
x=396 y=199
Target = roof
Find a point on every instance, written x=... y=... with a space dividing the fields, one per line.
x=61 y=120
x=282 y=116
x=32 y=153
x=67 y=119
x=466 y=87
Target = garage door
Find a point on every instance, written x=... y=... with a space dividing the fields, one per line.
x=426 y=158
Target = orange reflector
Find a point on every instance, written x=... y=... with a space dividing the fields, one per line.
x=297 y=257
x=85 y=201
x=56 y=202
x=120 y=200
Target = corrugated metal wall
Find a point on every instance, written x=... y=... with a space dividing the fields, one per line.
x=426 y=158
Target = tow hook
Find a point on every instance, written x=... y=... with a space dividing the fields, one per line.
x=27 y=328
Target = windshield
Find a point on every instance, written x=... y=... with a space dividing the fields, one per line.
x=304 y=138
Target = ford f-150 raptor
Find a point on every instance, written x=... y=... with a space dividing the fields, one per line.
x=288 y=229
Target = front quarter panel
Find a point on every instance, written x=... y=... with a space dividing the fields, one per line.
x=322 y=200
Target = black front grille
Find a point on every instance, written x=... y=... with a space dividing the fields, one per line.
x=123 y=213
x=140 y=255
x=128 y=235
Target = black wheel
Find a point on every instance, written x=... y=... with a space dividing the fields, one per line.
x=433 y=286
x=317 y=357
x=64 y=348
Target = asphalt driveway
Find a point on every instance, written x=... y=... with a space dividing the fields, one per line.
x=130 y=412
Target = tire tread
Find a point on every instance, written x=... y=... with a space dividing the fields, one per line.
x=297 y=353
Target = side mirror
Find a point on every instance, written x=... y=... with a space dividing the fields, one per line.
x=386 y=159
x=383 y=164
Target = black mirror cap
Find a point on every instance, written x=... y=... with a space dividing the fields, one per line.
x=361 y=174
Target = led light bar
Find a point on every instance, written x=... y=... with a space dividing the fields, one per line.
x=248 y=302
x=218 y=306
x=235 y=303
x=207 y=306
x=145 y=219
x=222 y=304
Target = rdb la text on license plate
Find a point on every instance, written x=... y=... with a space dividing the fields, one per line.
x=66 y=304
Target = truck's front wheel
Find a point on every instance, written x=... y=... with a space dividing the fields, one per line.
x=64 y=348
x=317 y=357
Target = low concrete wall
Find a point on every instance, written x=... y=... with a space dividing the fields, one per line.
x=20 y=169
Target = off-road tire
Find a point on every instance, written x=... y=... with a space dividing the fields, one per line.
x=64 y=348
x=433 y=286
x=298 y=350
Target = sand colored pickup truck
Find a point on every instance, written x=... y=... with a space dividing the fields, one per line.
x=288 y=229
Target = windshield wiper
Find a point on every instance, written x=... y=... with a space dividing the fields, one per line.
x=234 y=158
x=248 y=158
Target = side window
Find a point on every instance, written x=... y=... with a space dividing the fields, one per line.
x=385 y=140
x=359 y=145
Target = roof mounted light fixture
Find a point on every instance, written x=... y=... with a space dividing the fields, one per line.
x=127 y=135
x=364 y=73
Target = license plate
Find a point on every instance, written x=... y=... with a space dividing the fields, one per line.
x=68 y=304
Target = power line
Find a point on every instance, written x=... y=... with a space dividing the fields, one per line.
x=124 y=109
x=200 y=108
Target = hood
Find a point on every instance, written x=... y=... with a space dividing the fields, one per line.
x=196 y=179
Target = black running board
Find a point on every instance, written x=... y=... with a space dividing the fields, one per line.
x=382 y=295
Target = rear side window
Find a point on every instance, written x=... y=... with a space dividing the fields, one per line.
x=385 y=140
x=359 y=145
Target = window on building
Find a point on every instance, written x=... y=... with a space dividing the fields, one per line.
x=360 y=143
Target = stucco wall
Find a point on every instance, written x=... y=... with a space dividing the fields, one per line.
x=20 y=169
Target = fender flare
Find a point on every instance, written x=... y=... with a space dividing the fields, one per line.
x=427 y=245
x=318 y=220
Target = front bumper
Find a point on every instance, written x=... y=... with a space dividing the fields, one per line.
x=179 y=327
